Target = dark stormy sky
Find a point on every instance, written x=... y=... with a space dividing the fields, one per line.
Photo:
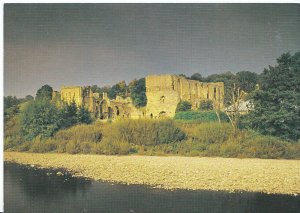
x=87 y=44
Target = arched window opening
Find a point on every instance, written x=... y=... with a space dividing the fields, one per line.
x=162 y=114
x=215 y=93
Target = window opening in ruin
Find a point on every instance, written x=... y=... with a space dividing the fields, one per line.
x=151 y=115
x=162 y=114
x=162 y=99
x=118 y=111
x=110 y=112
x=215 y=93
x=207 y=96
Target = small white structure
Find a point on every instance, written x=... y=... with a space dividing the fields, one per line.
x=243 y=107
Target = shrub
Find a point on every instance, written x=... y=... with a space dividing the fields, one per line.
x=86 y=147
x=183 y=106
x=110 y=147
x=23 y=147
x=73 y=147
x=83 y=133
x=10 y=142
x=79 y=139
x=42 y=146
x=146 y=132
x=230 y=149
x=208 y=116
x=12 y=126
x=268 y=147
x=206 y=105
x=209 y=133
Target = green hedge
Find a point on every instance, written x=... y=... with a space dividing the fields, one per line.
x=202 y=116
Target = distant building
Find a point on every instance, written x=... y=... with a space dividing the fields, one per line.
x=243 y=107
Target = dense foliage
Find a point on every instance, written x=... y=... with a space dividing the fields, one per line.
x=119 y=89
x=162 y=137
x=45 y=92
x=183 y=106
x=39 y=118
x=152 y=132
x=137 y=89
x=43 y=118
x=277 y=103
x=245 y=80
x=206 y=105
x=201 y=116
x=11 y=101
x=97 y=89
x=196 y=76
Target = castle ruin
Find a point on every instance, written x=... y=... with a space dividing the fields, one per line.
x=163 y=92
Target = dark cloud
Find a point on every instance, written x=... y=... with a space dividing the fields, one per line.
x=86 y=44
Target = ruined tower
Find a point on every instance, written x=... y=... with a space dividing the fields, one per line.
x=69 y=94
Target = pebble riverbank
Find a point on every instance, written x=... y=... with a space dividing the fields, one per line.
x=174 y=172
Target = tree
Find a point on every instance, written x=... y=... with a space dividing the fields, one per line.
x=68 y=115
x=137 y=89
x=10 y=101
x=247 y=80
x=83 y=116
x=105 y=89
x=29 y=98
x=45 y=92
x=197 y=77
x=183 y=75
x=183 y=106
x=277 y=103
x=39 y=118
x=206 y=105
x=234 y=113
x=119 y=89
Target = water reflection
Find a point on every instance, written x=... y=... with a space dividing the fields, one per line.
x=37 y=182
x=31 y=190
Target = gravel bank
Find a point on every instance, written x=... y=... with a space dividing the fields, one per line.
x=229 y=174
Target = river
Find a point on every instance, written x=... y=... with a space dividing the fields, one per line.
x=42 y=190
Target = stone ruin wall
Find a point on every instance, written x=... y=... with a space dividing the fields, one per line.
x=162 y=99
x=101 y=106
x=164 y=92
x=72 y=93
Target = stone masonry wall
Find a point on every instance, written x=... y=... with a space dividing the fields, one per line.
x=72 y=93
x=164 y=92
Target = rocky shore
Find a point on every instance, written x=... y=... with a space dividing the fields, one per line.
x=193 y=173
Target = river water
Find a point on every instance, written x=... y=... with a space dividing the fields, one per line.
x=34 y=190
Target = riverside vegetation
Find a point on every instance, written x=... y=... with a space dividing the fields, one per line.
x=160 y=137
